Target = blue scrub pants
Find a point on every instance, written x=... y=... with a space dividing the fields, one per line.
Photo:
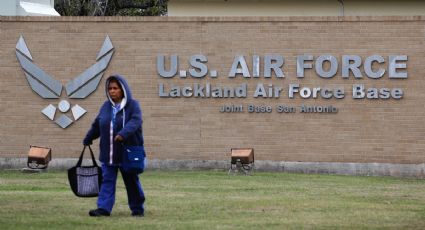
x=106 y=199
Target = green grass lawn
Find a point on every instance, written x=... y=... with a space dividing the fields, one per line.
x=215 y=200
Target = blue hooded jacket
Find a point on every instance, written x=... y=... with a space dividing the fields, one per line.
x=128 y=124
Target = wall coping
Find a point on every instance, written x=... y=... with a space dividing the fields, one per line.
x=212 y=19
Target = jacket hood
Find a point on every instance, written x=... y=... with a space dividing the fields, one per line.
x=124 y=85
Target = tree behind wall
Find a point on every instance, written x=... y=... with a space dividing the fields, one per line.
x=111 y=7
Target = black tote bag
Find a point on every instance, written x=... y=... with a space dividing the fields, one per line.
x=85 y=181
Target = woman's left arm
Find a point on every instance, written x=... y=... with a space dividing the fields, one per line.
x=134 y=123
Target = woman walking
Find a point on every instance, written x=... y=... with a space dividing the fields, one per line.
x=118 y=123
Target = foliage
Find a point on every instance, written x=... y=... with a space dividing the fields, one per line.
x=215 y=200
x=111 y=7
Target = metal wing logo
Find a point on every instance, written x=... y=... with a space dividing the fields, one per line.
x=78 y=88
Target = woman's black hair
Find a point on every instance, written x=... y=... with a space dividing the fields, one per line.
x=114 y=79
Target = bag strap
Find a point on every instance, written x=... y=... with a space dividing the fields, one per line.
x=80 y=161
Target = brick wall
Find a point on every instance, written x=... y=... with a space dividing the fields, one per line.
x=363 y=130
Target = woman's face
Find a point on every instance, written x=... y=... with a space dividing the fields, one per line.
x=115 y=91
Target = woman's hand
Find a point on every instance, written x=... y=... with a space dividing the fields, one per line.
x=87 y=141
x=118 y=138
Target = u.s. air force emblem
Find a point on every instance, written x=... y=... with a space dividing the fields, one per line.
x=78 y=88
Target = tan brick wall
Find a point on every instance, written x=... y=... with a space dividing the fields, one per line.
x=387 y=131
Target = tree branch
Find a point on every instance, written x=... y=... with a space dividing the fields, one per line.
x=123 y=4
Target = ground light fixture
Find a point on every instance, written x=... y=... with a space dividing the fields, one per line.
x=242 y=161
x=39 y=157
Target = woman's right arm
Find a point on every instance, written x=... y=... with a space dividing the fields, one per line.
x=93 y=133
